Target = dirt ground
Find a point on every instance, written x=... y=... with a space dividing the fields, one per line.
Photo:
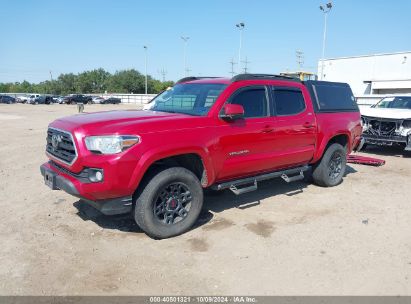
x=284 y=239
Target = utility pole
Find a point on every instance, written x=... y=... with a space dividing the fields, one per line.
x=325 y=9
x=145 y=50
x=185 y=41
x=187 y=71
x=246 y=62
x=300 y=58
x=163 y=74
x=51 y=82
x=240 y=26
x=232 y=62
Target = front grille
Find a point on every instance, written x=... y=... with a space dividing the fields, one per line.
x=60 y=145
x=382 y=127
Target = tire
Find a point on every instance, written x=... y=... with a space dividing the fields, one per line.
x=173 y=217
x=329 y=171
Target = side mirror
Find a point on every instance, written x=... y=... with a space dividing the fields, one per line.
x=232 y=111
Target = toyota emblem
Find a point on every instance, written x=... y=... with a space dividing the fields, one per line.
x=55 y=141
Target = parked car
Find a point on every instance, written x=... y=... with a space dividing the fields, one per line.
x=216 y=133
x=22 y=98
x=388 y=122
x=77 y=98
x=55 y=98
x=32 y=97
x=97 y=99
x=7 y=99
x=43 y=99
x=112 y=100
x=59 y=99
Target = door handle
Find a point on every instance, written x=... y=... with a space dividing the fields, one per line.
x=308 y=125
x=267 y=129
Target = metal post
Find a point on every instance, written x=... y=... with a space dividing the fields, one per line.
x=324 y=38
x=326 y=9
x=240 y=26
x=185 y=39
x=232 y=63
x=51 y=83
x=145 y=48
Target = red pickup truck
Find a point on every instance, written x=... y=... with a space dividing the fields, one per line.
x=202 y=133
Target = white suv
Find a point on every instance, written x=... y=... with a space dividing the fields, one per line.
x=32 y=97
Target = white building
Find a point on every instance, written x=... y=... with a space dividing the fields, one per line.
x=371 y=76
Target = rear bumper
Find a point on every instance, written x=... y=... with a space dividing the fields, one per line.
x=70 y=185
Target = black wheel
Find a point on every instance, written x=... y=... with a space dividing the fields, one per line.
x=329 y=171
x=364 y=146
x=169 y=204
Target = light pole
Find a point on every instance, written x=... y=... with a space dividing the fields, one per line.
x=240 y=26
x=325 y=9
x=145 y=50
x=51 y=82
x=185 y=39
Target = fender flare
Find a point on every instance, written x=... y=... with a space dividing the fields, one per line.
x=153 y=155
x=325 y=141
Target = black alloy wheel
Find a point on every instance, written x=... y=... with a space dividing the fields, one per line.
x=173 y=203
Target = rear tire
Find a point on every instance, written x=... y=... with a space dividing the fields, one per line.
x=329 y=171
x=169 y=203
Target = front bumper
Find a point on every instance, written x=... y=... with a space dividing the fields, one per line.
x=62 y=181
x=388 y=140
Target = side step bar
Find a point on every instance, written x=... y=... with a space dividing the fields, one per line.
x=250 y=183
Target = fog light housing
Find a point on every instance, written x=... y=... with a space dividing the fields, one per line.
x=95 y=175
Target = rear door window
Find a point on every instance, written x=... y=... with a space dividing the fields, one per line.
x=288 y=101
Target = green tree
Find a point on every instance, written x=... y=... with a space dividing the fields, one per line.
x=127 y=81
x=66 y=83
x=94 y=81
x=159 y=86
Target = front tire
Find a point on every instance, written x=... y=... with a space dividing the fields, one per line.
x=329 y=171
x=169 y=204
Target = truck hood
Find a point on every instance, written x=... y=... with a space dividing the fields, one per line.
x=386 y=113
x=111 y=122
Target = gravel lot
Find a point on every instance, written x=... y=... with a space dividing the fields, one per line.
x=284 y=239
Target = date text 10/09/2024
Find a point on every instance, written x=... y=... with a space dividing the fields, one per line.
x=204 y=299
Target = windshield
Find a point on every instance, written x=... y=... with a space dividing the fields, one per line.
x=394 y=103
x=192 y=99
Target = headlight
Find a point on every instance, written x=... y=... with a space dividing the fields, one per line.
x=406 y=124
x=110 y=144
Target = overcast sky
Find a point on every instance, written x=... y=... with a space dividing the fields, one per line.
x=64 y=36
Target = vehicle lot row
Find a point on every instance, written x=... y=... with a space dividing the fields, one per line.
x=51 y=99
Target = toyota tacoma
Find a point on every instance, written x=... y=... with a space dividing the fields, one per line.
x=205 y=132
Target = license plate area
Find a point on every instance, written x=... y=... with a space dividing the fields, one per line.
x=50 y=180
